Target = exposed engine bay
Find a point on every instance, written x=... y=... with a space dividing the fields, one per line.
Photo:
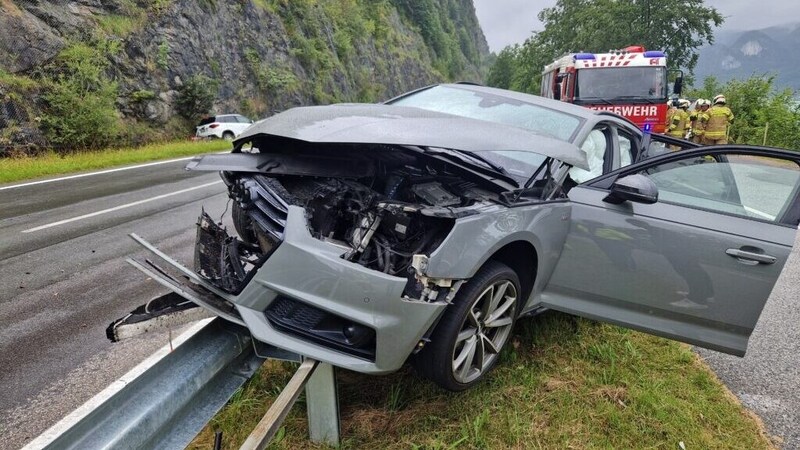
x=394 y=208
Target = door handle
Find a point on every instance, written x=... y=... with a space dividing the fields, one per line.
x=750 y=256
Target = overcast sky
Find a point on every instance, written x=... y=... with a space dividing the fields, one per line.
x=511 y=21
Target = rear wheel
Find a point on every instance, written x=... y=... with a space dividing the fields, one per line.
x=228 y=136
x=467 y=342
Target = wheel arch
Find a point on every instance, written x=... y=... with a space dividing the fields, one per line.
x=521 y=256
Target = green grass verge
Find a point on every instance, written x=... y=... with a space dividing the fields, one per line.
x=25 y=168
x=563 y=382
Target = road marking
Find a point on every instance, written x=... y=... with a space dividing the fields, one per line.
x=117 y=208
x=100 y=172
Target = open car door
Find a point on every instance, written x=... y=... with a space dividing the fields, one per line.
x=687 y=245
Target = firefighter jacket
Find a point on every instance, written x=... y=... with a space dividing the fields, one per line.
x=699 y=122
x=679 y=123
x=670 y=112
x=719 y=118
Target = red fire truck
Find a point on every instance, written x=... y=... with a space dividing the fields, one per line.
x=631 y=82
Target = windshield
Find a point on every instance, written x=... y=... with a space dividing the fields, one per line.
x=647 y=83
x=494 y=108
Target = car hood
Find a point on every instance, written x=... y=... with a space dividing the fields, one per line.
x=402 y=125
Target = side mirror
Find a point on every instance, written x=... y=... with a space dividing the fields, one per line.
x=635 y=188
x=678 y=88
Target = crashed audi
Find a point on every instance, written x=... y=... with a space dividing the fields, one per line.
x=368 y=235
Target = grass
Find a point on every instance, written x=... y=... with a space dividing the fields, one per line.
x=563 y=382
x=24 y=168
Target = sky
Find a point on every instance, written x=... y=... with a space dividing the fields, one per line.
x=508 y=22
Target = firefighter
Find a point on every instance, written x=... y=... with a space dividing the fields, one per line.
x=699 y=120
x=670 y=111
x=719 y=119
x=679 y=124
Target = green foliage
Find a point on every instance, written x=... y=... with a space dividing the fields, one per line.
x=120 y=25
x=142 y=95
x=80 y=99
x=678 y=27
x=759 y=109
x=269 y=78
x=443 y=25
x=196 y=96
x=501 y=74
x=163 y=55
x=17 y=82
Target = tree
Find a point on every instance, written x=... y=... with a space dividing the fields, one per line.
x=501 y=73
x=678 y=27
x=196 y=97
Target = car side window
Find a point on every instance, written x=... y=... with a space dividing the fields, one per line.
x=596 y=147
x=627 y=145
x=744 y=185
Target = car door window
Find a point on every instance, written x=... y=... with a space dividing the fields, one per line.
x=596 y=147
x=744 y=185
x=626 y=149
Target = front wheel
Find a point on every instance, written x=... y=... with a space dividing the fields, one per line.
x=467 y=342
x=228 y=136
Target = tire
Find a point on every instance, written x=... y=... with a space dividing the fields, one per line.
x=463 y=349
x=228 y=136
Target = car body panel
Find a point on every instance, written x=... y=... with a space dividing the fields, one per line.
x=634 y=265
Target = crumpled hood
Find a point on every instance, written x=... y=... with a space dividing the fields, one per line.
x=402 y=125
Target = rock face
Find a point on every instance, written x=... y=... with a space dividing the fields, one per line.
x=265 y=55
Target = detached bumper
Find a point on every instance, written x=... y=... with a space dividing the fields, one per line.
x=304 y=294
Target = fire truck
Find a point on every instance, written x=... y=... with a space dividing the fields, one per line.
x=631 y=82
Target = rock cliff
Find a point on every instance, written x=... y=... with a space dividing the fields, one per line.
x=256 y=57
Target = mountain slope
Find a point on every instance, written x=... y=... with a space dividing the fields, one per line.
x=742 y=54
x=255 y=56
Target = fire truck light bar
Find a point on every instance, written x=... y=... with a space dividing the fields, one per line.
x=654 y=54
x=584 y=56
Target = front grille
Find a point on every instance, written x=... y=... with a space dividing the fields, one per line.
x=262 y=198
x=316 y=325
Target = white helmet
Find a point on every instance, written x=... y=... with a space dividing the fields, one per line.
x=719 y=99
x=683 y=103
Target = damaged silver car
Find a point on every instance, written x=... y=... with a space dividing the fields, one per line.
x=368 y=235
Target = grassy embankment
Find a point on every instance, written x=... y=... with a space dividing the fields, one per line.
x=49 y=164
x=563 y=383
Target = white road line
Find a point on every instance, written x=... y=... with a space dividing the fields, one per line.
x=117 y=208
x=100 y=172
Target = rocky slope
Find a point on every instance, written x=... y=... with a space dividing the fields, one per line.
x=255 y=56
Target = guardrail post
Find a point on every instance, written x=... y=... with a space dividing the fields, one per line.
x=322 y=404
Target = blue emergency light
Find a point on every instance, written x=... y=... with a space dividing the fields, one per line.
x=654 y=54
x=647 y=128
x=584 y=56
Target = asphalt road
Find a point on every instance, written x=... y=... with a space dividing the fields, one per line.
x=63 y=279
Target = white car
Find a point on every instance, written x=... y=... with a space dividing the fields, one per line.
x=224 y=126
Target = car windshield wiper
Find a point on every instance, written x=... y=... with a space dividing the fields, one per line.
x=475 y=156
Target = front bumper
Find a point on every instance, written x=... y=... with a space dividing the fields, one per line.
x=312 y=272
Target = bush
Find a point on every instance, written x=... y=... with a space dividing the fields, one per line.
x=196 y=97
x=80 y=100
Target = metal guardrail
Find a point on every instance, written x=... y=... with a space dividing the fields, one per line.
x=167 y=399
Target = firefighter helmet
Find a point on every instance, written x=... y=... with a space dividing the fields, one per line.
x=683 y=103
x=720 y=99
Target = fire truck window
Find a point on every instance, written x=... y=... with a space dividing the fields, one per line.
x=630 y=82
x=595 y=147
